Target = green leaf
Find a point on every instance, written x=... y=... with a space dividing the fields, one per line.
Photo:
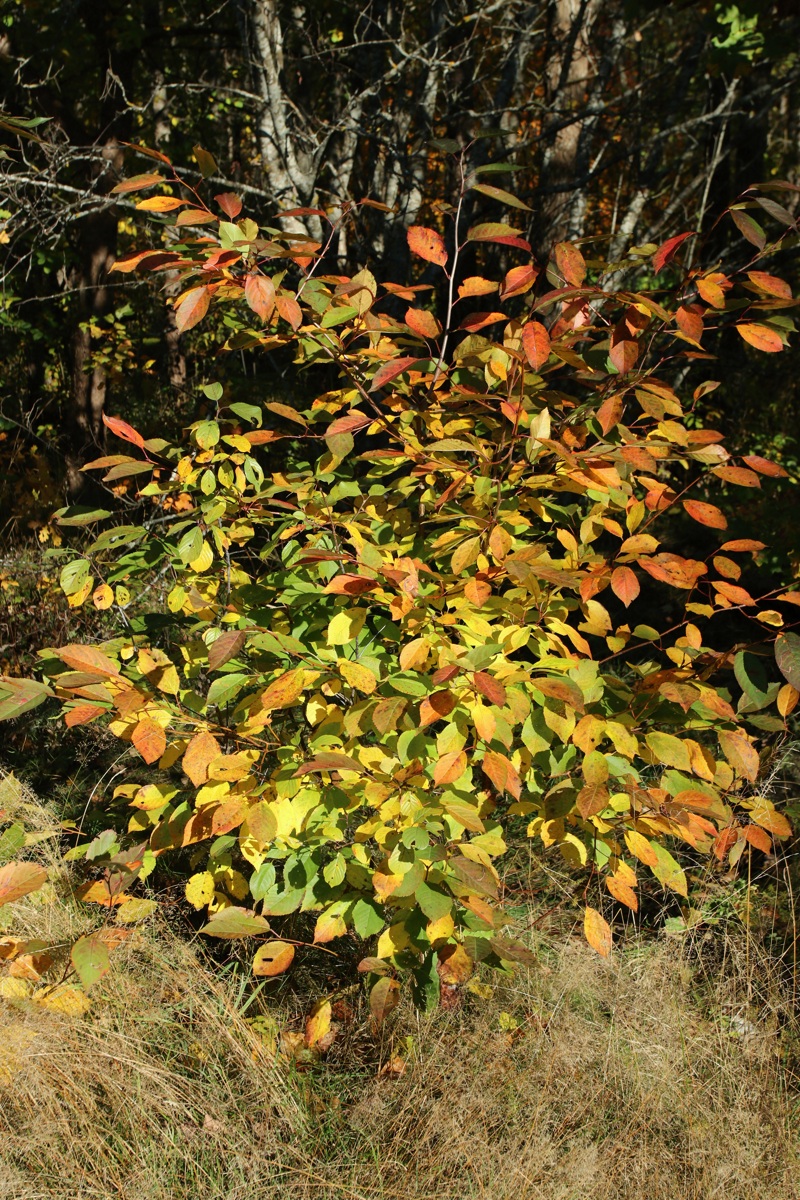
x=667 y=871
x=752 y=679
x=426 y=985
x=235 y=923
x=11 y=840
x=433 y=902
x=335 y=871
x=504 y=197
x=225 y=687
x=248 y=412
x=89 y=957
x=787 y=656
x=73 y=576
x=368 y=918
x=18 y=696
x=80 y=515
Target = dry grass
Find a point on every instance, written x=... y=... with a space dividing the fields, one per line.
x=664 y=1074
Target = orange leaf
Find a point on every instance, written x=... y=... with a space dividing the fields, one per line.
x=760 y=336
x=88 y=659
x=259 y=292
x=610 y=412
x=597 y=932
x=476 y=285
x=740 y=753
x=82 y=714
x=191 y=308
x=690 y=322
x=230 y=204
x=422 y=322
x=706 y=514
x=536 y=344
x=450 y=767
x=674 y=570
x=622 y=891
x=160 y=204
x=502 y=773
x=136 y=183
x=123 y=430
x=737 y=475
x=624 y=585
x=455 y=966
x=518 y=281
x=764 y=466
x=624 y=351
x=436 y=707
x=736 y=595
x=713 y=287
x=18 y=879
x=273 y=958
x=287 y=689
x=427 y=244
x=384 y=997
x=759 y=838
x=570 y=263
x=289 y=309
x=200 y=753
x=150 y=740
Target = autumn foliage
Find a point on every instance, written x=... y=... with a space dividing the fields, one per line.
x=439 y=615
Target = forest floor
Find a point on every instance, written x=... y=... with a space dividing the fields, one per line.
x=670 y=1071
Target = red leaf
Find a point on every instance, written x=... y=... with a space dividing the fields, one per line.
x=348 y=424
x=480 y=320
x=570 y=263
x=391 y=370
x=231 y=205
x=667 y=250
x=536 y=344
x=624 y=351
x=490 y=687
x=191 y=308
x=705 y=514
x=123 y=430
x=625 y=585
x=427 y=244
x=259 y=292
x=422 y=322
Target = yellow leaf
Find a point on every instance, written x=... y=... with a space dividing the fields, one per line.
x=414 y=654
x=203 y=560
x=346 y=626
x=640 y=848
x=330 y=924
x=357 y=676
x=133 y=911
x=597 y=932
x=465 y=555
x=273 y=958
x=393 y=940
x=79 y=597
x=103 y=597
x=319 y=1023
x=200 y=889
x=68 y=1000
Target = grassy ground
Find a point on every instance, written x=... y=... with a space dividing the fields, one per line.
x=669 y=1072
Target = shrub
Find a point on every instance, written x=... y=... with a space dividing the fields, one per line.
x=454 y=606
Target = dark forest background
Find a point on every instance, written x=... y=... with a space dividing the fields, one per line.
x=622 y=123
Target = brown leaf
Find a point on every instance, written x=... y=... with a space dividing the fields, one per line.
x=383 y=999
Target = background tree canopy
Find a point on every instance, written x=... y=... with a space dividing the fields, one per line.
x=619 y=122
